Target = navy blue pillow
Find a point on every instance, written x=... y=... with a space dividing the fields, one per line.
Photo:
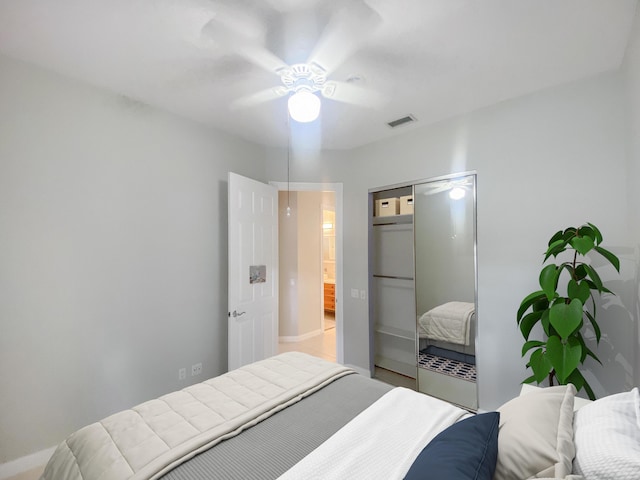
x=467 y=450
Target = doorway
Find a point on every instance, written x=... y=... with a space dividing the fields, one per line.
x=310 y=275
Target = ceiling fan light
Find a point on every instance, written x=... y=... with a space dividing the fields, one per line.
x=304 y=106
x=457 y=193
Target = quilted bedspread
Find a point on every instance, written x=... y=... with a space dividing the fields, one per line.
x=148 y=440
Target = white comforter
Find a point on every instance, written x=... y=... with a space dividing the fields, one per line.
x=381 y=442
x=148 y=440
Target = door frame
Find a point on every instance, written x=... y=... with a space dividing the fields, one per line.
x=336 y=188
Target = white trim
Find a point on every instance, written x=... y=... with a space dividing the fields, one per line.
x=299 y=338
x=336 y=188
x=26 y=463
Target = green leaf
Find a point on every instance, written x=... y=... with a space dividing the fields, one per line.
x=530 y=379
x=566 y=317
x=598 y=237
x=549 y=281
x=587 y=231
x=529 y=321
x=555 y=248
x=564 y=356
x=545 y=323
x=613 y=260
x=531 y=344
x=594 y=324
x=540 y=365
x=587 y=388
x=580 y=382
x=541 y=304
x=569 y=233
x=583 y=245
x=581 y=290
x=528 y=301
x=591 y=354
x=580 y=272
x=576 y=379
x=594 y=277
x=556 y=236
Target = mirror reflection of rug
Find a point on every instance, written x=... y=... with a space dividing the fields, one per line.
x=437 y=361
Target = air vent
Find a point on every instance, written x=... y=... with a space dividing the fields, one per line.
x=402 y=121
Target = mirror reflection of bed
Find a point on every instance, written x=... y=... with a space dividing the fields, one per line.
x=445 y=285
x=446 y=346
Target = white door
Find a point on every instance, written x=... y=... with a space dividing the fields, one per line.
x=253 y=270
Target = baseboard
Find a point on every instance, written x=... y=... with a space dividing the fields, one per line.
x=26 y=463
x=300 y=338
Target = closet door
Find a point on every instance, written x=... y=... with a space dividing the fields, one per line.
x=445 y=282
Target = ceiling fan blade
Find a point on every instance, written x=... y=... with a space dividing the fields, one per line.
x=348 y=93
x=242 y=44
x=345 y=33
x=258 y=98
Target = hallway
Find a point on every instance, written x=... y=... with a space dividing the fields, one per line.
x=323 y=346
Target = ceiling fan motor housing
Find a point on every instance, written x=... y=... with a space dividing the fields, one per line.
x=311 y=77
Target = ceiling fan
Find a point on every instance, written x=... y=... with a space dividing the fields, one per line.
x=456 y=187
x=350 y=24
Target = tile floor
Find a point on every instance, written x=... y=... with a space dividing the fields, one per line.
x=323 y=346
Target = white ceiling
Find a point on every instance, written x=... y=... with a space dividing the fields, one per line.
x=430 y=58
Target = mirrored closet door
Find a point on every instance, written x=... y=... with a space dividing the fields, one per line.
x=444 y=223
x=422 y=286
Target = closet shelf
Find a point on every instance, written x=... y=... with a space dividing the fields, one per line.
x=393 y=277
x=392 y=219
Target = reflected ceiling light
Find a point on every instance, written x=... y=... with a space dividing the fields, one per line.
x=456 y=193
x=327 y=226
x=304 y=106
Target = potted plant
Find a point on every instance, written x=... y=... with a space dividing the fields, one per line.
x=562 y=308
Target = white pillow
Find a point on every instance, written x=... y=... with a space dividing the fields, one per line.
x=607 y=438
x=536 y=435
x=578 y=402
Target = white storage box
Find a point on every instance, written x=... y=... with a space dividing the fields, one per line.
x=406 y=205
x=386 y=207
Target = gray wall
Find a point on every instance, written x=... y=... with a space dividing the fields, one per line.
x=113 y=245
x=536 y=156
x=113 y=254
x=631 y=71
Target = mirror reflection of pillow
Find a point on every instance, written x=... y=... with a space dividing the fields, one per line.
x=607 y=438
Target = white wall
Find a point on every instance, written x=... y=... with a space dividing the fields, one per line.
x=113 y=249
x=545 y=161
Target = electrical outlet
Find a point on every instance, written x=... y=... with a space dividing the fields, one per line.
x=354 y=292
x=196 y=369
x=182 y=374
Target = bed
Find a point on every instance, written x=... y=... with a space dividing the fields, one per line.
x=294 y=416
